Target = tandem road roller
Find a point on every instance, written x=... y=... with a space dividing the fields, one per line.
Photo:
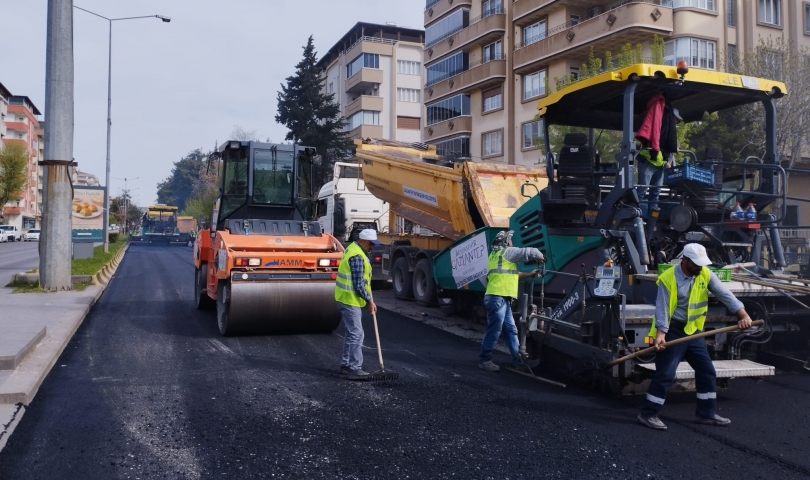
x=264 y=268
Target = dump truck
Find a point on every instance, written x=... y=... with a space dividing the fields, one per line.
x=159 y=227
x=261 y=265
x=594 y=300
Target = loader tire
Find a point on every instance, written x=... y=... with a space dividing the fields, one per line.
x=424 y=288
x=402 y=279
x=201 y=298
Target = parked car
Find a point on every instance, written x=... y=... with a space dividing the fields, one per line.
x=31 y=235
x=11 y=233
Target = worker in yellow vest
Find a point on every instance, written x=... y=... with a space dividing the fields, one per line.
x=502 y=289
x=680 y=310
x=352 y=293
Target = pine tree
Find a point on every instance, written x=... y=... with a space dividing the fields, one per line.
x=313 y=119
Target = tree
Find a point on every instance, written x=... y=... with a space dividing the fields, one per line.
x=314 y=120
x=179 y=186
x=239 y=133
x=13 y=172
x=204 y=192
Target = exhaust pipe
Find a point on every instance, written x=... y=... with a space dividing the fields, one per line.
x=776 y=243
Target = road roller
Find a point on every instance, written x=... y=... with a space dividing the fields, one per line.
x=259 y=263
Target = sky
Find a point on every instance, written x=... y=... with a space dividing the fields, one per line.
x=181 y=85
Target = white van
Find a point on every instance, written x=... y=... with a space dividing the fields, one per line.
x=345 y=206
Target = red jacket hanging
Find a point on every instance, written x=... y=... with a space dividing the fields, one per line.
x=649 y=133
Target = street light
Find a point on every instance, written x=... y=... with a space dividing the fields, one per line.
x=109 y=107
x=126 y=205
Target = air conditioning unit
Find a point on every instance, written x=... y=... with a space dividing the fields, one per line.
x=597 y=10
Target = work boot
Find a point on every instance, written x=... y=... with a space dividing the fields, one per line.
x=358 y=374
x=345 y=370
x=653 y=422
x=489 y=366
x=716 y=420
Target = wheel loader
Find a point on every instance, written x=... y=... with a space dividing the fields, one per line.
x=260 y=264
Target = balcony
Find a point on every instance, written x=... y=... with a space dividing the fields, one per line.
x=479 y=75
x=435 y=11
x=524 y=11
x=364 y=102
x=481 y=31
x=17 y=126
x=12 y=210
x=364 y=80
x=366 y=44
x=634 y=23
x=454 y=126
x=367 y=131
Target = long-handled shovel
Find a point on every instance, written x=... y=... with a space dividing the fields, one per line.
x=677 y=341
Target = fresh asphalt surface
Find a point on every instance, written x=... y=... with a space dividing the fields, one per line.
x=148 y=389
x=16 y=257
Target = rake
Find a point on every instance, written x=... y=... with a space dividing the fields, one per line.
x=381 y=375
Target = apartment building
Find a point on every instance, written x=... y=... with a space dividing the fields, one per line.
x=375 y=73
x=4 y=96
x=21 y=123
x=488 y=61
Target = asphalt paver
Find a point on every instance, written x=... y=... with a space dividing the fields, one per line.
x=148 y=388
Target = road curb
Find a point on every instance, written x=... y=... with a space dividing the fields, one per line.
x=38 y=364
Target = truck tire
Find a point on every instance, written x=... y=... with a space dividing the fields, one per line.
x=424 y=288
x=201 y=298
x=448 y=306
x=402 y=279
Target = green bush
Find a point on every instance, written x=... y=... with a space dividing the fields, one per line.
x=113 y=237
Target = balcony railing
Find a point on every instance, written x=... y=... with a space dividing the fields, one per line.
x=430 y=3
x=472 y=65
x=368 y=39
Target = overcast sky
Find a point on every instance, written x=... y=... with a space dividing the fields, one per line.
x=181 y=85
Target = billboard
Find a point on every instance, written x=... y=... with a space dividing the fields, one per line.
x=87 y=214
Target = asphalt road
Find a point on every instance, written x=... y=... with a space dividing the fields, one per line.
x=16 y=257
x=147 y=388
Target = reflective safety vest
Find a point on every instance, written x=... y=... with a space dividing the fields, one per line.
x=658 y=161
x=344 y=288
x=502 y=275
x=698 y=299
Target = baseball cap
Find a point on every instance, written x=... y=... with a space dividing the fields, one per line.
x=677 y=114
x=370 y=235
x=697 y=253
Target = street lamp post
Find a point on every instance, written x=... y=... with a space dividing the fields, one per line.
x=126 y=203
x=109 y=110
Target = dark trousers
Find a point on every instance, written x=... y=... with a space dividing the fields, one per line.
x=666 y=364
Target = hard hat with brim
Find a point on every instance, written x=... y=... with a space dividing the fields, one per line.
x=697 y=253
x=370 y=235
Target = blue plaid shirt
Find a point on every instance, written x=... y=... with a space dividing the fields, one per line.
x=358 y=279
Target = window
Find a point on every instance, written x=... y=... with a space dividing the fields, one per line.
x=574 y=72
x=331 y=87
x=273 y=177
x=492 y=51
x=408 y=123
x=534 y=33
x=450 y=66
x=491 y=7
x=770 y=12
x=408 y=95
x=408 y=68
x=704 y=4
x=363 y=117
x=448 y=108
x=698 y=53
x=574 y=20
x=458 y=147
x=791 y=216
x=492 y=143
x=731 y=60
x=534 y=85
x=533 y=134
x=493 y=100
x=364 y=60
x=806 y=18
x=447 y=26
x=731 y=13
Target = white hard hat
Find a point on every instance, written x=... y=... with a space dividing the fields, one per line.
x=697 y=253
x=370 y=235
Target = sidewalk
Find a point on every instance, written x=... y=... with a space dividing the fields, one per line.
x=34 y=330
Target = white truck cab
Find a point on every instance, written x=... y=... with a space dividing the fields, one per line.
x=345 y=206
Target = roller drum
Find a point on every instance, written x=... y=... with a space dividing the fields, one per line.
x=276 y=307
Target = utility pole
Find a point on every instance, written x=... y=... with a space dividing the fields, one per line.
x=55 y=244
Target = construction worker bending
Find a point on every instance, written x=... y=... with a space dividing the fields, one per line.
x=352 y=293
x=680 y=310
x=502 y=289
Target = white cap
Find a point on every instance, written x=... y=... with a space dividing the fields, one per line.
x=697 y=253
x=370 y=235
